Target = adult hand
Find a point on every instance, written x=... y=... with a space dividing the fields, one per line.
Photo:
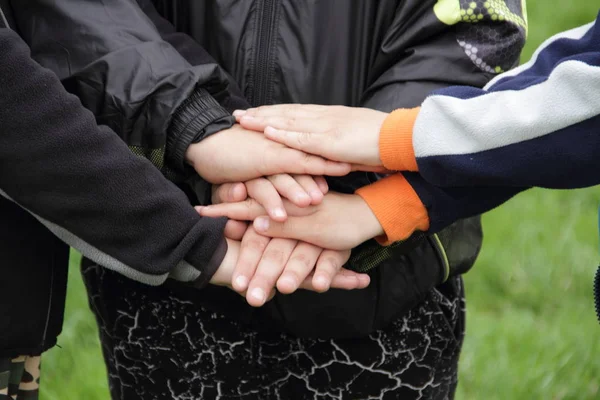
x=264 y=263
x=344 y=134
x=239 y=155
x=340 y=222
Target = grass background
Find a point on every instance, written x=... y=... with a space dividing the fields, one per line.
x=531 y=328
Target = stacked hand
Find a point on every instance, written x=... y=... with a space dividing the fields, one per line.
x=255 y=264
x=343 y=134
x=301 y=234
x=258 y=264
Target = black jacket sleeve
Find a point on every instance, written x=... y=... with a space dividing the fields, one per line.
x=110 y=54
x=83 y=183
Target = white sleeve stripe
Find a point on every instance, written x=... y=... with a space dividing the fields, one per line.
x=575 y=34
x=452 y=126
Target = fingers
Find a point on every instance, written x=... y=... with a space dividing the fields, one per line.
x=293 y=188
x=370 y=168
x=322 y=184
x=235 y=230
x=296 y=123
x=299 y=228
x=329 y=264
x=297 y=162
x=228 y=193
x=270 y=267
x=309 y=141
x=252 y=248
x=300 y=264
x=287 y=110
x=344 y=280
x=263 y=191
x=247 y=210
x=312 y=187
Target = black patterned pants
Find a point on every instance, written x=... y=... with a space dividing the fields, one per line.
x=159 y=346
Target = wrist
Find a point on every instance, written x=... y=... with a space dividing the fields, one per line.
x=375 y=157
x=368 y=225
x=224 y=272
x=190 y=154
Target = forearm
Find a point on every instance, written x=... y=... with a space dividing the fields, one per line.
x=405 y=203
x=86 y=186
x=536 y=126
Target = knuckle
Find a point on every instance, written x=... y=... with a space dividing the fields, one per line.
x=275 y=256
x=289 y=122
x=302 y=260
x=303 y=138
x=254 y=243
x=249 y=203
x=264 y=280
x=257 y=110
x=332 y=265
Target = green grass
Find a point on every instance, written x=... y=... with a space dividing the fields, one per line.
x=531 y=329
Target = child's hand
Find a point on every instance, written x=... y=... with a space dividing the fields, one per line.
x=264 y=263
x=258 y=264
x=300 y=190
x=334 y=132
x=340 y=222
x=238 y=155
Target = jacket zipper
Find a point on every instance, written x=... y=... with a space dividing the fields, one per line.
x=261 y=84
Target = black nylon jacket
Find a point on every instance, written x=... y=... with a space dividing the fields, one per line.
x=161 y=90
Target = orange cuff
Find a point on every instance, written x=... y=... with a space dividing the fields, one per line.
x=397 y=207
x=395 y=140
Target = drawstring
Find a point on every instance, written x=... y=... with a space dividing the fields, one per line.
x=597 y=281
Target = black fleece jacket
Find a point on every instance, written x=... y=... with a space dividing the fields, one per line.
x=85 y=185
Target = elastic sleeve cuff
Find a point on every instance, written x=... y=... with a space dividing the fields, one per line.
x=191 y=122
x=397 y=207
x=395 y=140
x=211 y=267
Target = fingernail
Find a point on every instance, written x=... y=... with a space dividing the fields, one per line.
x=261 y=223
x=301 y=197
x=316 y=195
x=269 y=130
x=279 y=213
x=239 y=113
x=259 y=295
x=241 y=282
x=288 y=281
